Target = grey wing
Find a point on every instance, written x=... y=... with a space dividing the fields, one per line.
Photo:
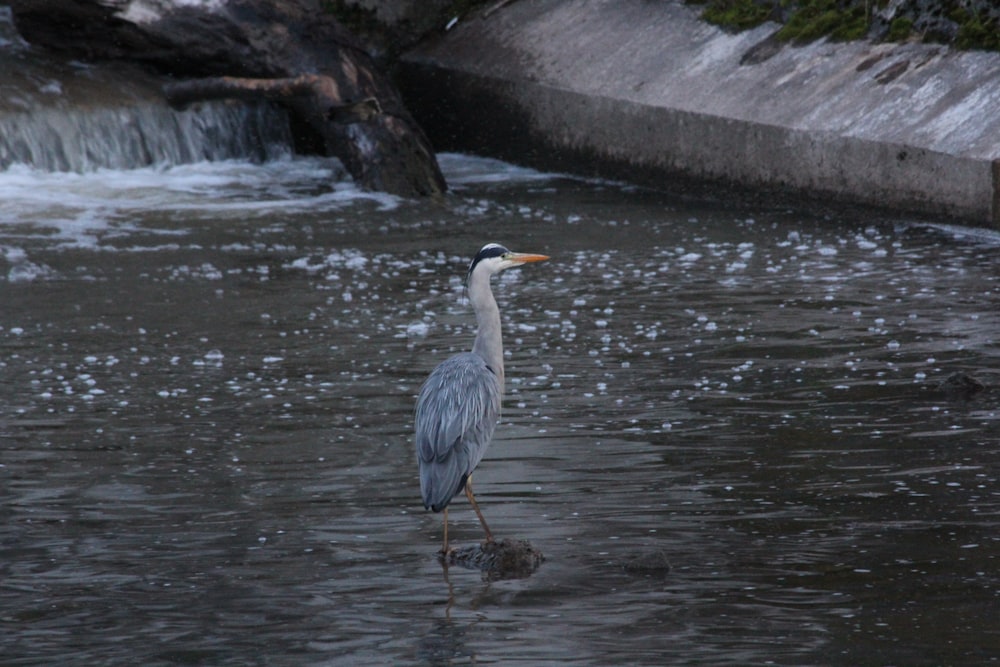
x=457 y=411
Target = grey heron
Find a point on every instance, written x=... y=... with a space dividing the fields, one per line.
x=459 y=403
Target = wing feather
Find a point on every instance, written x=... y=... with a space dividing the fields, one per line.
x=457 y=411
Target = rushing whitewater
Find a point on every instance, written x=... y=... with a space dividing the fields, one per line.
x=129 y=137
x=75 y=117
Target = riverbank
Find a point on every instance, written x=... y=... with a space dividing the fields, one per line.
x=650 y=93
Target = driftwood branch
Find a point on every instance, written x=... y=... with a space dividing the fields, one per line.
x=323 y=90
x=231 y=87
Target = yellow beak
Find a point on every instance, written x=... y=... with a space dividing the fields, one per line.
x=525 y=257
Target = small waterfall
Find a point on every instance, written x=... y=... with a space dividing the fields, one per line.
x=57 y=139
x=58 y=116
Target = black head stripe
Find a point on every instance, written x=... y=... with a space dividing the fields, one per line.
x=488 y=250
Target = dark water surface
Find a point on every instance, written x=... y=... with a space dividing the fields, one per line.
x=207 y=377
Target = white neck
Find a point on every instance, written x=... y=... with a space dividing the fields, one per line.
x=489 y=344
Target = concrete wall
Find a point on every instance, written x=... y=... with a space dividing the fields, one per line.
x=645 y=90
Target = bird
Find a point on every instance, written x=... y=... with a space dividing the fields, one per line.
x=459 y=404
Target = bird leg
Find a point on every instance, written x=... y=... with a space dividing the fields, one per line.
x=475 y=506
x=444 y=547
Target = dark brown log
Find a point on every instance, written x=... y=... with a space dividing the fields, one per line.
x=241 y=88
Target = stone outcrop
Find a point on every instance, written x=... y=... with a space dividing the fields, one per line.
x=256 y=39
x=504 y=559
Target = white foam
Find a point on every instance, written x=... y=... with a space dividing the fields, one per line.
x=459 y=169
x=417 y=330
x=150 y=11
x=988 y=237
x=23 y=270
x=84 y=209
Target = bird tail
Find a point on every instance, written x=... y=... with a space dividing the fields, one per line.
x=438 y=491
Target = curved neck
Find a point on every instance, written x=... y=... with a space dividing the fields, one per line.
x=489 y=343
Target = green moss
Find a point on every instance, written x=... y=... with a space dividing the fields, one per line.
x=977 y=31
x=814 y=19
x=854 y=25
x=899 y=30
x=957 y=14
x=734 y=14
x=842 y=20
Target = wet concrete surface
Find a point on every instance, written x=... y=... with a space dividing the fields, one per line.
x=647 y=92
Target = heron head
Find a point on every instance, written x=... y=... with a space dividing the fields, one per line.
x=494 y=258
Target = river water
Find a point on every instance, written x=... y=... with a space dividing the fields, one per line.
x=722 y=427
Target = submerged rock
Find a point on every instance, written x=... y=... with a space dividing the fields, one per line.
x=506 y=559
x=961 y=386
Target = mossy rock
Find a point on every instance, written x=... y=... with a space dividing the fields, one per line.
x=963 y=24
x=825 y=18
x=506 y=559
x=734 y=14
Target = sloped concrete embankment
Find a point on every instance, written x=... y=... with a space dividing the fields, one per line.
x=648 y=92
